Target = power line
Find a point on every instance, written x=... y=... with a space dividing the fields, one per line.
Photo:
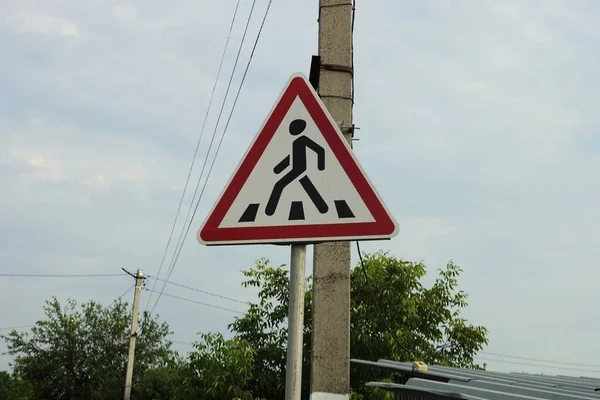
x=536 y=365
x=162 y=293
x=541 y=360
x=181 y=238
x=183 y=235
x=352 y=45
x=199 y=290
x=125 y=293
x=31 y=326
x=225 y=129
x=197 y=147
x=234 y=102
x=60 y=275
x=184 y=231
x=184 y=343
x=10 y=328
x=483 y=358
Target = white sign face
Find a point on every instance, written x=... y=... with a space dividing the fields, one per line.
x=332 y=184
x=298 y=182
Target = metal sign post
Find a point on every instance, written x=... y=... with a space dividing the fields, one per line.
x=293 y=369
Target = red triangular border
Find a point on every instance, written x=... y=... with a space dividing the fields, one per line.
x=383 y=227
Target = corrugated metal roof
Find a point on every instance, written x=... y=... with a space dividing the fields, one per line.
x=457 y=383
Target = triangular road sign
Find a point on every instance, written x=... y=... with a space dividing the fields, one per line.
x=299 y=182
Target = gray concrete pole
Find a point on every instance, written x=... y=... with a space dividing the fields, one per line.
x=330 y=366
x=293 y=369
x=139 y=277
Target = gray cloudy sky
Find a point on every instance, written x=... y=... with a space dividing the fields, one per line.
x=478 y=127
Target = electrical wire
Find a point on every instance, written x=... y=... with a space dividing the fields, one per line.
x=184 y=231
x=352 y=45
x=10 y=328
x=228 y=119
x=181 y=342
x=235 y=101
x=31 y=326
x=197 y=146
x=199 y=302
x=124 y=294
x=60 y=275
x=199 y=290
x=220 y=141
x=478 y=357
x=540 y=360
x=535 y=365
x=376 y=304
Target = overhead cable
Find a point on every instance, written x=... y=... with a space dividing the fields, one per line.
x=197 y=147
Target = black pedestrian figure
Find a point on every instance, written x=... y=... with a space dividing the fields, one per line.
x=298 y=161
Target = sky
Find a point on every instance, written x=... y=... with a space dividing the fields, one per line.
x=477 y=126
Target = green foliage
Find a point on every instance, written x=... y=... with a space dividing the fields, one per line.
x=220 y=368
x=164 y=382
x=12 y=387
x=81 y=352
x=264 y=328
x=426 y=322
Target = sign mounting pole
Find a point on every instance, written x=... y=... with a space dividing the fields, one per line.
x=293 y=368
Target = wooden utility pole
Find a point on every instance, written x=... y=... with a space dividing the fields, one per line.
x=139 y=278
x=330 y=373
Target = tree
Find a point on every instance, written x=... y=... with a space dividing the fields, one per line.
x=217 y=368
x=81 y=352
x=264 y=327
x=12 y=387
x=220 y=368
x=426 y=322
x=168 y=381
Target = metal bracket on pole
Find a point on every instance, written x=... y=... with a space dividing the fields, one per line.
x=336 y=67
x=315 y=71
x=347 y=130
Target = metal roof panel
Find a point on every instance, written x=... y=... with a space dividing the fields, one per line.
x=483 y=385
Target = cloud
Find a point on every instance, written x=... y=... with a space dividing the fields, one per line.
x=23 y=21
x=124 y=12
x=477 y=126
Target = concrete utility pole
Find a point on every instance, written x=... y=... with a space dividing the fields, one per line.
x=139 y=278
x=330 y=373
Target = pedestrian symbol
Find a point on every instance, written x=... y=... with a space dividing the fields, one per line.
x=298 y=182
x=298 y=162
